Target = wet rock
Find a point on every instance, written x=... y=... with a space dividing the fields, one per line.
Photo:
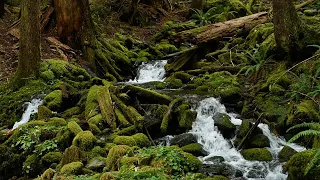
x=257 y=172
x=286 y=153
x=219 y=169
x=258 y=141
x=225 y=126
x=97 y=163
x=257 y=154
x=215 y=159
x=183 y=139
x=195 y=149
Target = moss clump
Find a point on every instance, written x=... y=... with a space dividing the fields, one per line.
x=186 y=119
x=167 y=118
x=84 y=140
x=54 y=100
x=127 y=131
x=70 y=112
x=50 y=158
x=194 y=148
x=122 y=120
x=107 y=176
x=31 y=165
x=141 y=140
x=92 y=105
x=125 y=140
x=47 y=75
x=225 y=126
x=71 y=154
x=258 y=141
x=286 y=153
x=257 y=154
x=74 y=127
x=44 y=113
x=74 y=168
x=165 y=47
x=297 y=165
x=193 y=162
x=218 y=178
x=173 y=83
x=114 y=155
x=48 y=174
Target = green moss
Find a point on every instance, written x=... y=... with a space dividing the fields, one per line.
x=47 y=75
x=123 y=122
x=219 y=178
x=54 y=100
x=165 y=47
x=193 y=162
x=70 y=112
x=73 y=168
x=71 y=154
x=92 y=105
x=194 y=149
x=141 y=140
x=125 y=140
x=257 y=154
x=51 y=157
x=44 y=113
x=137 y=117
x=167 y=117
x=97 y=119
x=286 y=153
x=297 y=165
x=57 y=121
x=84 y=140
x=108 y=146
x=259 y=141
x=258 y=34
x=186 y=119
x=127 y=131
x=114 y=155
x=173 y=83
x=31 y=165
x=129 y=161
x=74 y=127
x=48 y=174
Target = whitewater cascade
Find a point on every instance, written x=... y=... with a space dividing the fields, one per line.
x=216 y=145
x=31 y=109
x=150 y=71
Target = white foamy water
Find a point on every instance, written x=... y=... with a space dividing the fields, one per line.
x=31 y=109
x=150 y=71
x=216 y=145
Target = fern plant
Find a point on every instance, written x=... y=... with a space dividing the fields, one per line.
x=204 y=18
x=314 y=130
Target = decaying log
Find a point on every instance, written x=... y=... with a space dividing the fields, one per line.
x=306 y=3
x=217 y=31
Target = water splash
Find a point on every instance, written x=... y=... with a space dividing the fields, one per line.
x=151 y=71
x=216 y=145
x=31 y=109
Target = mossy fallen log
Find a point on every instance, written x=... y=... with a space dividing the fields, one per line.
x=146 y=96
x=168 y=116
x=106 y=107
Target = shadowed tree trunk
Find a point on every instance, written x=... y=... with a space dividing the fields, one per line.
x=1 y=8
x=75 y=26
x=29 y=57
x=288 y=28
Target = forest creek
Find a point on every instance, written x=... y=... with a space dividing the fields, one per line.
x=160 y=89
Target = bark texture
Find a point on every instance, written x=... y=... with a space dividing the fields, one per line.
x=288 y=29
x=29 y=57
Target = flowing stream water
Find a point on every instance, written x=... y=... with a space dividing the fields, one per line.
x=31 y=109
x=150 y=71
x=216 y=145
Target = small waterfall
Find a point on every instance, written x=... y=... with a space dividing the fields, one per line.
x=31 y=109
x=216 y=145
x=150 y=71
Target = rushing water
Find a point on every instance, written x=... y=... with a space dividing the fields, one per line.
x=150 y=71
x=31 y=109
x=216 y=145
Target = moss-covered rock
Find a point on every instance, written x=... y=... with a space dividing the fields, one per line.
x=125 y=140
x=52 y=157
x=286 y=153
x=193 y=162
x=258 y=141
x=73 y=168
x=31 y=165
x=186 y=119
x=74 y=127
x=183 y=139
x=96 y=163
x=47 y=75
x=114 y=155
x=257 y=154
x=225 y=126
x=165 y=47
x=54 y=100
x=195 y=149
x=71 y=154
x=173 y=83
x=72 y=111
x=297 y=164
x=107 y=176
x=44 y=113
x=84 y=140
x=48 y=174
x=141 y=140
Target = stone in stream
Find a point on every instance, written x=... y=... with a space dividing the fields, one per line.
x=286 y=153
x=183 y=139
x=220 y=169
x=225 y=126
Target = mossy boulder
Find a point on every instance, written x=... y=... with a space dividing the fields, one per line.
x=107 y=176
x=84 y=140
x=52 y=157
x=54 y=100
x=186 y=119
x=297 y=164
x=114 y=156
x=173 y=83
x=286 y=153
x=195 y=149
x=71 y=111
x=96 y=163
x=165 y=47
x=74 y=168
x=47 y=75
x=257 y=154
x=48 y=174
x=74 y=127
x=141 y=140
x=258 y=141
x=225 y=126
x=125 y=140
x=44 y=113
x=71 y=154
x=31 y=165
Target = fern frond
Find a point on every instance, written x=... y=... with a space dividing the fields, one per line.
x=312 y=125
x=314 y=45
x=304 y=133
x=312 y=162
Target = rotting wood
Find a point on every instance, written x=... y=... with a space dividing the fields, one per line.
x=306 y=3
x=248 y=135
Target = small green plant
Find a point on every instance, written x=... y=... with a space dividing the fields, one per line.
x=314 y=130
x=204 y=18
x=45 y=147
x=28 y=139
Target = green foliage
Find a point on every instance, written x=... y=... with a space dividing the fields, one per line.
x=28 y=138
x=313 y=162
x=214 y=14
x=146 y=172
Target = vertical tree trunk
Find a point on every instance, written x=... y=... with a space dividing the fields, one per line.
x=287 y=27
x=29 y=57
x=1 y=8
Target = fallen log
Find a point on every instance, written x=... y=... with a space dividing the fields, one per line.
x=306 y=3
x=215 y=32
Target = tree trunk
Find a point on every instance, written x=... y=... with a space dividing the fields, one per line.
x=287 y=27
x=1 y=8
x=76 y=28
x=29 y=57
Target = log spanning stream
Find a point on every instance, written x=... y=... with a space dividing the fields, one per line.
x=212 y=140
